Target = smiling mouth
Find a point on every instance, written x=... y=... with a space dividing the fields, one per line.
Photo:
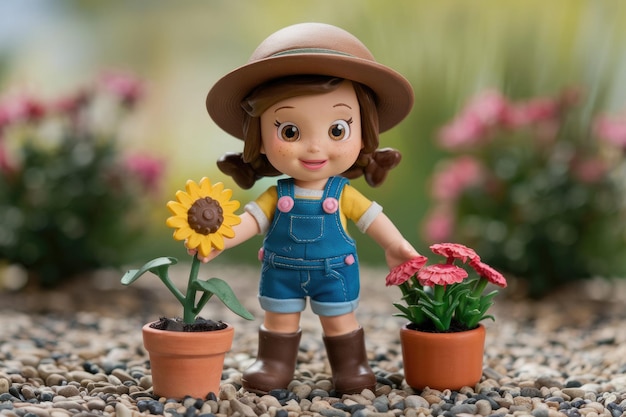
x=313 y=164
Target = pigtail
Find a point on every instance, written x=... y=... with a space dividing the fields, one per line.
x=245 y=174
x=374 y=166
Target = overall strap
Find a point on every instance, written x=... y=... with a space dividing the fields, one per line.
x=334 y=186
x=285 y=187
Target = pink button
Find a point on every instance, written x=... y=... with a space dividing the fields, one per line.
x=330 y=205
x=260 y=254
x=349 y=260
x=285 y=204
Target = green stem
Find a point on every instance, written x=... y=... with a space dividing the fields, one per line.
x=189 y=315
x=479 y=287
x=440 y=307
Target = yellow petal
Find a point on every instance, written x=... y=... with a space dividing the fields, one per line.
x=182 y=233
x=194 y=240
x=205 y=187
x=218 y=188
x=184 y=198
x=232 y=219
x=177 y=222
x=230 y=205
x=177 y=208
x=226 y=231
x=205 y=247
x=193 y=189
x=217 y=241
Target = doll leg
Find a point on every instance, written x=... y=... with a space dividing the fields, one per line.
x=347 y=356
x=276 y=358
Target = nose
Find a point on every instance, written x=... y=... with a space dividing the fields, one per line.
x=313 y=144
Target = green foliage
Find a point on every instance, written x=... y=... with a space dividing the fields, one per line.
x=535 y=186
x=444 y=297
x=69 y=198
x=189 y=301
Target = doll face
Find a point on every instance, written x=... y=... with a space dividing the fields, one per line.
x=313 y=137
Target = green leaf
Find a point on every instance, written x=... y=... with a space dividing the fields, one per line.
x=224 y=292
x=158 y=266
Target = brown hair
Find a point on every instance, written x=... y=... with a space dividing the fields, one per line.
x=251 y=165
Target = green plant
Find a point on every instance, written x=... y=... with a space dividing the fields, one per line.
x=442 y=297
x=202 y=216
x=68 y=194
x=533 y=188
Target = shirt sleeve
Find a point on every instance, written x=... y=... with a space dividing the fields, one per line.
x=358 y=208
x=262 y=209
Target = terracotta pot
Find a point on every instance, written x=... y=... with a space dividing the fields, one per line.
x=442 y=360
x=186 y=363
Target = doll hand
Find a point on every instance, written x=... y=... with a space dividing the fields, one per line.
x=399 y=252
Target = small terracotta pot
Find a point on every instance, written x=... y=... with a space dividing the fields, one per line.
x=186 y=363
x=442 y=360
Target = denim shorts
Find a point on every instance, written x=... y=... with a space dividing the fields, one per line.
x=331 y=284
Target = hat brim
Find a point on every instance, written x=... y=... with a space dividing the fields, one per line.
x=394 y=94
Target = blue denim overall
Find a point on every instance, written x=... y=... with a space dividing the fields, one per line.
x=307 y=253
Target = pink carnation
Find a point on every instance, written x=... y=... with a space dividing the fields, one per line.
x=441 y=274
x=454 y=251
x=403 y=272
x=488 y=273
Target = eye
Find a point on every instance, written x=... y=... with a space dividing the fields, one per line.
x=339 y=130
x=288 y=131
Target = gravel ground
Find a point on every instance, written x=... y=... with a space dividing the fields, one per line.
x=78 y=351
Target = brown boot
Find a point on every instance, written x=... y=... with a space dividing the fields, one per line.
x=275 y=363
x=348 y=361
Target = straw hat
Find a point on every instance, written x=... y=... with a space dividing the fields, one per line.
x=310 y=49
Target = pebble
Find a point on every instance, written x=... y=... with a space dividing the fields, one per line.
x=90 y=365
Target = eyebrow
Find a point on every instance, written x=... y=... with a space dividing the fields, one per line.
x=284 y=107
x=342 y=104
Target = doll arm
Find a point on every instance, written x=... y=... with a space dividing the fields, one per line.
x=386 y=234
x=243 y=231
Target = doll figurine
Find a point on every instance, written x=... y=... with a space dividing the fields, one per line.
x=309 y=104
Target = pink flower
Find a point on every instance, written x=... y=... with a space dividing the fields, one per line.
x=403 y=272
x=147 y=169
x=590 y=170
x=72 y=104
x=534 y=111
x=463 y=131
x=455 y=176
x=23 y=109
x=6 y=167
x=471 y=127
x=439 y=224
x=488 y=273
x=489 y=107
x=125 y=86
x=454 y=251
x=441 y=274
x=611 y=129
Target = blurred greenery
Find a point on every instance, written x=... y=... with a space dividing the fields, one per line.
x=449 y=50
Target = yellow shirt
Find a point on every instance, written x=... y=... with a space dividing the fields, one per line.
x=352 y=205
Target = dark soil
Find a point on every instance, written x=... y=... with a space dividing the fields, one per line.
x=429 y=327
x=178 y=325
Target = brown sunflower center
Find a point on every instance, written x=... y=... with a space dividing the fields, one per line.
x=205 y=216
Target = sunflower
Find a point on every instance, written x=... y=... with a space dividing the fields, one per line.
x=204 y=215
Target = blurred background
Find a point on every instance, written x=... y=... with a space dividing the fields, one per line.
x=157 y=60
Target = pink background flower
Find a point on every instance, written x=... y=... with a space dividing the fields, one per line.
x=456 y=175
